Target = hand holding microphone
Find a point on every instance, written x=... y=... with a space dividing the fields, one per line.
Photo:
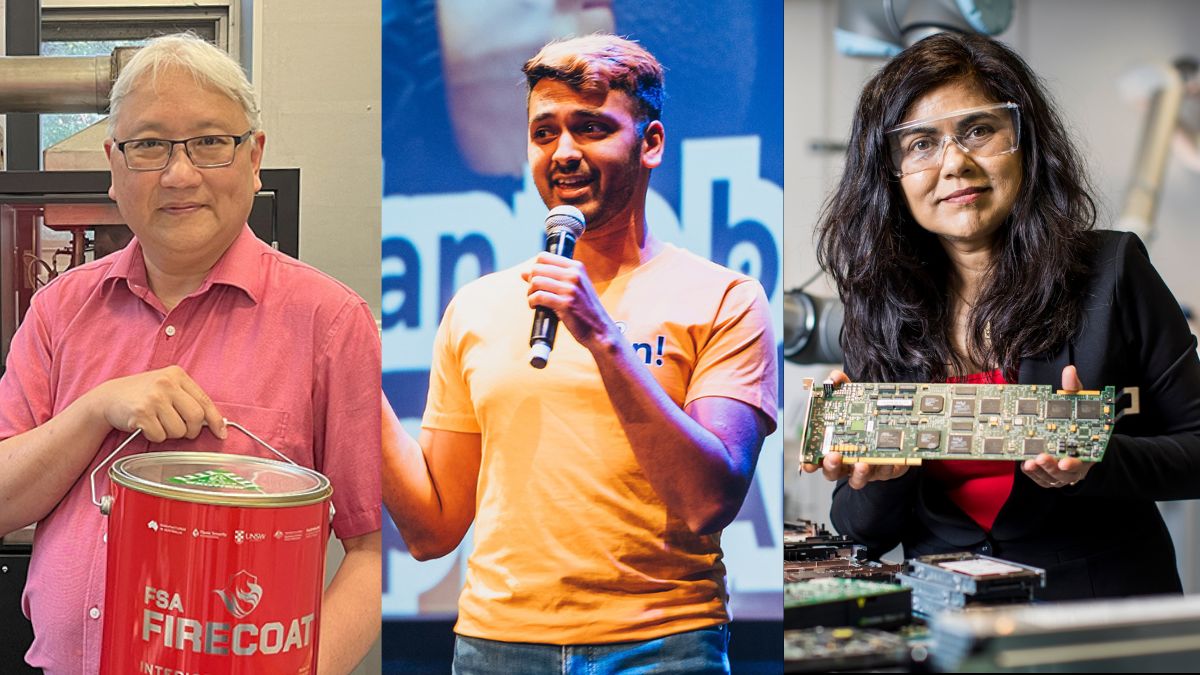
x=555 y=284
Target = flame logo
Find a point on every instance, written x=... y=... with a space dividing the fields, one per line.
x=242 y=594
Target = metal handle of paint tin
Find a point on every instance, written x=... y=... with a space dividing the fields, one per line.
x=260 y=441
x=267 y=445
x=105 y=502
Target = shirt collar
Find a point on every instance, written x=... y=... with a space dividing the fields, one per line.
x=239 y=266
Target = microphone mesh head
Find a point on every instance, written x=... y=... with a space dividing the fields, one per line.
x=566 y=218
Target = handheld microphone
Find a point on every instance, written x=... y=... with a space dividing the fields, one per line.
x=564 y=224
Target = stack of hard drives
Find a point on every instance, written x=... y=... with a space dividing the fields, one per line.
x=957 y=581
x=810 y=551
x=828 y=582
x=835 y=602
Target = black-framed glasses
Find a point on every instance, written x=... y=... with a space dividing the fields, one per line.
x=205 y=152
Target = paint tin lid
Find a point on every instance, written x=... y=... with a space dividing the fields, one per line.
x=220 y=479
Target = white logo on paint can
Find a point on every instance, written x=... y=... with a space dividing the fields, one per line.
x=242 y=594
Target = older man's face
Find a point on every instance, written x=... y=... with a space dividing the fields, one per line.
x=183 y=216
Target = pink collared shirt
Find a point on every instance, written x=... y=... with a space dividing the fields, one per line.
x=281 y=348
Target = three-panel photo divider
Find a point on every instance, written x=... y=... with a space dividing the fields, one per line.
x=598 y=336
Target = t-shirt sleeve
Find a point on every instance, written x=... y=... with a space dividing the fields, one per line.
x=737 y=360
x=26 y=395
x=346 y=415
x=449 y=406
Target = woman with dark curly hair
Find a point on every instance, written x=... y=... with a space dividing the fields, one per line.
x=961 y=242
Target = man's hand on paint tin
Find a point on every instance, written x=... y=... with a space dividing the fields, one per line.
x=165 y=403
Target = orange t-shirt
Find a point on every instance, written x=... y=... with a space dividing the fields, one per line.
x=572 y=544
x=978 y=487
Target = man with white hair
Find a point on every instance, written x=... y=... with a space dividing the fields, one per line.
x=195 y=321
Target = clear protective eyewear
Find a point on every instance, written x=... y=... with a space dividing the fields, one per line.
x=205 y=152
x=986 y=131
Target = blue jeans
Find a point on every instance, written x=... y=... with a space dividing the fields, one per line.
x=703 y=652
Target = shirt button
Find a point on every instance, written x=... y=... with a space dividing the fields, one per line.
x=170 y=331
x=94 y=612
x=105 y=537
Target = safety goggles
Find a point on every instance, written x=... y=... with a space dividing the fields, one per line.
x=986 y=131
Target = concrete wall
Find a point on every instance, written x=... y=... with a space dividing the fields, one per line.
x=1082 y=49
x=316 y=65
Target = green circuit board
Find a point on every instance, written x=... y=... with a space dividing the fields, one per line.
x=846 y=602
x=906 y=423
x=817 y=591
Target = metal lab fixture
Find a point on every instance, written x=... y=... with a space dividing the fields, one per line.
x=1165 y=85
x=882 y=28
x=78 y=200
x=60 y=84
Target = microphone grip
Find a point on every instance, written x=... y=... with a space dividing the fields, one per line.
x=545 y=321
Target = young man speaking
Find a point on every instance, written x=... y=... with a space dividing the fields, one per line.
x=598 y=485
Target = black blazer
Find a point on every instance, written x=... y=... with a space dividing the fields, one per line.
x=1103 y=537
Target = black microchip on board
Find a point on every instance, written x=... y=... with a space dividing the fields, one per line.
x=965 y=390
x=932 y=403
x=1027 y=406
x=993 y=446
x=962 y=426
x=1089 y=410
x=960 y=443
x=1058 y=410
x=1035 y=446
x=929 y=440
x=890 y=439
x=962 y=407
x=989 y=406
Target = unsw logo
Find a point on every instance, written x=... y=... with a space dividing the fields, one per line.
x=242 y=536
x=241 y=595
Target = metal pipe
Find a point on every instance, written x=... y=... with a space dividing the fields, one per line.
x=1150 y=163
x=59 y=84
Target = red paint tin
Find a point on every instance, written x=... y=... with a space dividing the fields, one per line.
x=216 y=564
